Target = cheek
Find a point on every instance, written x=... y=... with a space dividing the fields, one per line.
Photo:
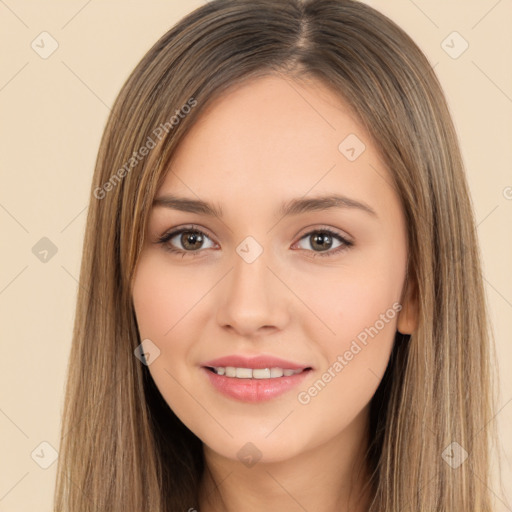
x=354 y=359
x=362 y=322
x=170 y=305
x=163 y=296
x=352 y=298
x=163 y=299
x=358 y=306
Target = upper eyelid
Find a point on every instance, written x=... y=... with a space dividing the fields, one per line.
x=171 y=233
x=334 y=231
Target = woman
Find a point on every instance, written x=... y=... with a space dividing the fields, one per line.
x=281 y=302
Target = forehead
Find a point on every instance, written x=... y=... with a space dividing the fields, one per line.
x=273 y=138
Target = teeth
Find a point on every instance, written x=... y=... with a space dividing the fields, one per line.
x=243 y=373
x=256 y=373
x=276 y=372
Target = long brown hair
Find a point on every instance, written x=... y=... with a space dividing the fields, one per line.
x=122 y=447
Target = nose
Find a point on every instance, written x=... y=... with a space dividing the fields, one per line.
x=252 y=300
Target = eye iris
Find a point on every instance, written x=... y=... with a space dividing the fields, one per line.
x=190 y=237
x=323 y=241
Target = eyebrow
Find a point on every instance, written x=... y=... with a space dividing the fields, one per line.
x=288 y=208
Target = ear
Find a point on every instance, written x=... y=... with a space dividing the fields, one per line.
x=408 y=317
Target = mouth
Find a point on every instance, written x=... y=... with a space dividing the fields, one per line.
x=252 y=385
x=233 y=372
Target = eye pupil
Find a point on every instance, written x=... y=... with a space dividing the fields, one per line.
x=323 y=241
x=190 y=237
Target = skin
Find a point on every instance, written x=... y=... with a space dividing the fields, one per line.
x=264 y=142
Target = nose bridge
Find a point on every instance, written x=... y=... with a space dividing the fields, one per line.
x=251 y=296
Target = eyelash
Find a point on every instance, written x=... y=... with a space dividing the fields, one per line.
x=166 y=237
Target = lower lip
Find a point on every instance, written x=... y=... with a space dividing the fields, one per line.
x=254 y=390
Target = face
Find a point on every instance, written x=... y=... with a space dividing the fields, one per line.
x=316 y=284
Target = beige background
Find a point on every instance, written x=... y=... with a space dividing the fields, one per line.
x=53 y=112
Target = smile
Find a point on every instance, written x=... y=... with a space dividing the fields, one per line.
x=253 y=384
x=254 y=373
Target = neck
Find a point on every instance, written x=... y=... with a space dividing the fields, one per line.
x=331 y=477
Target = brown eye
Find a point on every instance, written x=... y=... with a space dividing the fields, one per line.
x=185 y=241
x=191 y=240
x=321 y=241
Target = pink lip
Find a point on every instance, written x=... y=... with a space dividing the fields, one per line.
x=262 y=361
x=253 y=390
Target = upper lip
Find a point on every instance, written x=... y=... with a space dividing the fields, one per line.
x=261 y=361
